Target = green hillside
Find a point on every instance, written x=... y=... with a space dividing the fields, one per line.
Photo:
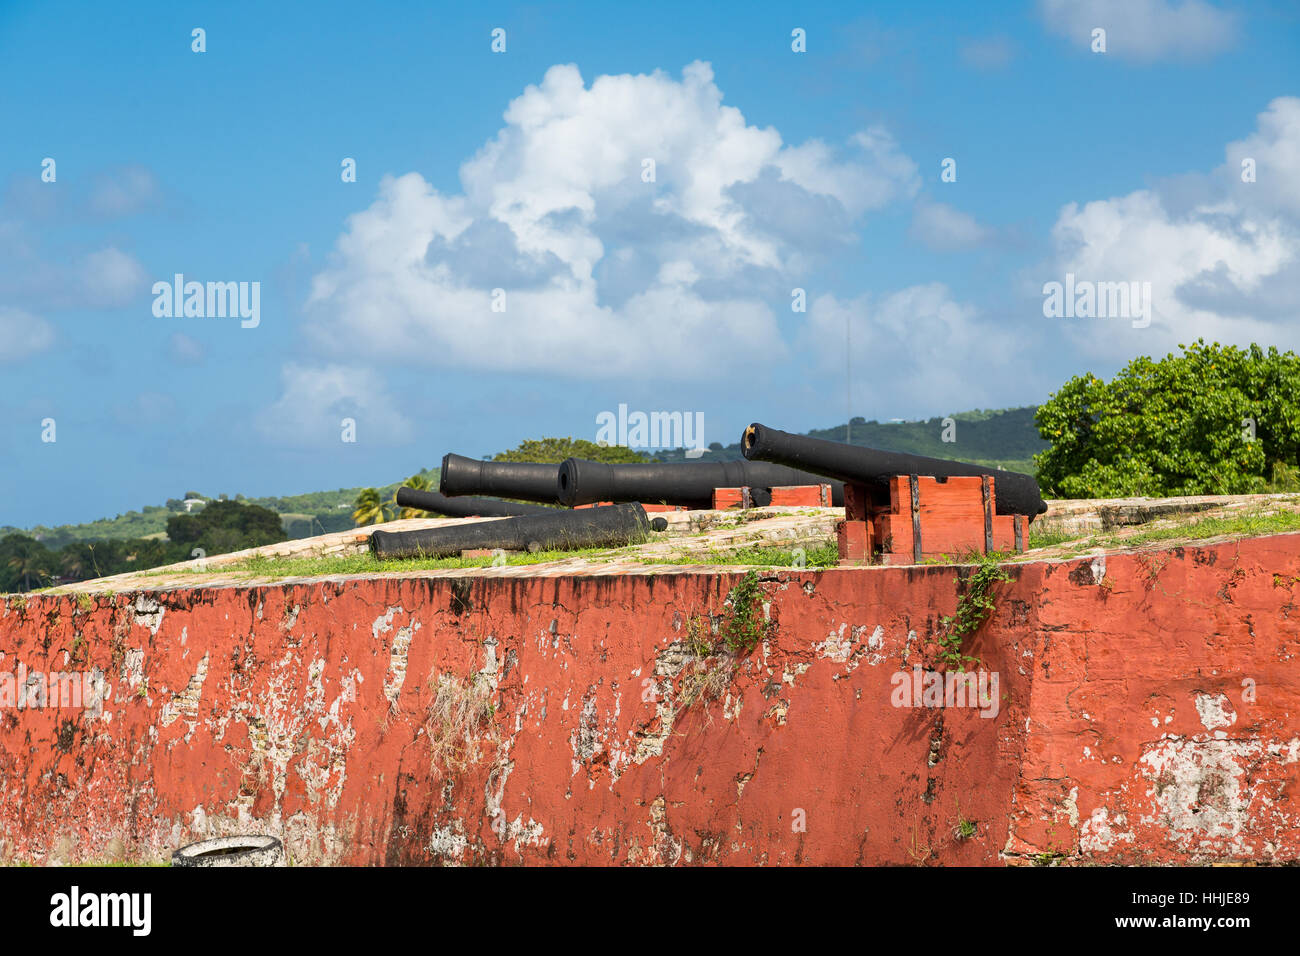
x=1005 y=438
x=302 y=516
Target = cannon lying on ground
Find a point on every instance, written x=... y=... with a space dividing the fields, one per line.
x=608 y=527
x=528 y=481
x=466 y=506
x=678 y=483
x=1016 y=494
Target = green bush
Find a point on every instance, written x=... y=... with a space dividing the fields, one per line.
x=1178 y=426
x=558 y=449
x=225 y=526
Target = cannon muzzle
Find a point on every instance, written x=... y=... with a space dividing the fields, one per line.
x=1016 y=494
x=503 y=479
x=558 y=530
x=465 y=506
x=677 y=483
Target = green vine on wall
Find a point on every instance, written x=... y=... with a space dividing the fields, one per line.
x=973 y=609
x=745 y=626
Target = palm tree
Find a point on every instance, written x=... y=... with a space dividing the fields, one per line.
x=369 y=508
x=418 y=483
x=26 y=564
x=74 y=562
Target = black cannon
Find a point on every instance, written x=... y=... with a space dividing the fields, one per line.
x=1016 y=494
x=503 y=479
x=465 y=506
x=689 y=483
x=558 y=530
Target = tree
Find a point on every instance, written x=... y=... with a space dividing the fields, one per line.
x=77 y=560
x=558 y=449
x=250 y=521
x=184 y=528
x=23 y=558
x=370 y=508
x=1213 y=420
x=224 y=526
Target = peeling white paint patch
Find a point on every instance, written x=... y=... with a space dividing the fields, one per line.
x=850 y=648
x=586 y=742
x=668 y=664
x=835 y=647
x=525 y=834
x=384 y=623
x=789 y=675
x=186 y=702
x=1072 y=806
x=491 y=666
x=449 y=842
x=875 y=644
x=731 y=707
x=396 y=678
x=133 y=667
x=1207 y=790
x=1100 y=833
x=1289 y=752
x=1215 y=710
x=148 y=613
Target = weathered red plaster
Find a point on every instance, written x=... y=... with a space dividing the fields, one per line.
x=1150 y=713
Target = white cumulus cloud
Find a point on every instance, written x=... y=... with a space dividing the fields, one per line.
x=1144 y=30
x=315 y=400
x=1222 y=255
x=599 y=266
x=185 y=350
x=22 y=334
x=919 y=342
x=110 y=277
x=941 y=226
x=124 y=191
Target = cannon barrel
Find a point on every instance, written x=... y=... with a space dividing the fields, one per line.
x=504 y=479
x=608 y=527
x=689 y=483
x=465 y=506
x=1016 y=494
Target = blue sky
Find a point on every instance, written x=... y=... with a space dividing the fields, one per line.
x=523 y=170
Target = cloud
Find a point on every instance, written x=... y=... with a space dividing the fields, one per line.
x=1275 y=149
x=107 y=194
x=22 y=334
x=942 y=227
x=43 y=272
x=1144 y=30
x=986 y=53
x=109 y=277
x=62 y=277
x=124 y=191
x=599 y=266
x=917 y=341
x=1222 y=256
x=315 y=399
x=184 y=350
